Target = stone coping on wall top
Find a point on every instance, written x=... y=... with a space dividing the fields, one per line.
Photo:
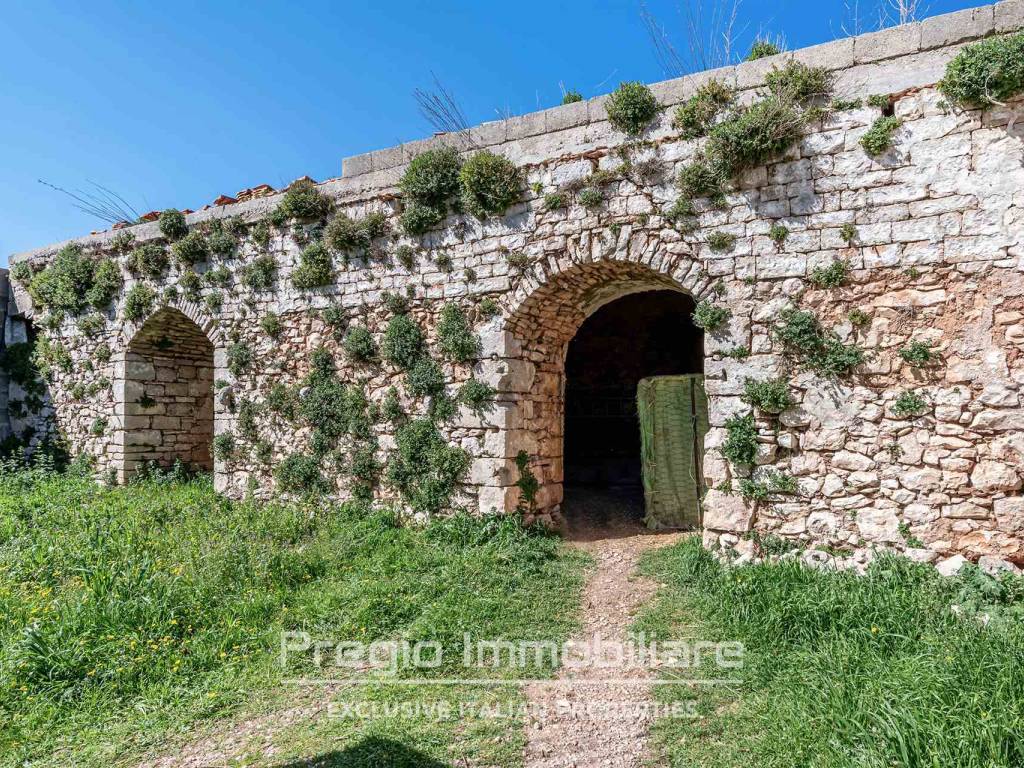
x=892 y=43
x=374 y=171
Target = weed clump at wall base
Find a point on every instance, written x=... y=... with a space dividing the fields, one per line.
x=841 y=669
x=424 y=468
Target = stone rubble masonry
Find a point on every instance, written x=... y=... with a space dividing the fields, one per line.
x=938 y=258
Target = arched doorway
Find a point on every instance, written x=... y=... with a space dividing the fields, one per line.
x=627 y=340
x=167 y=406
x=547 y=312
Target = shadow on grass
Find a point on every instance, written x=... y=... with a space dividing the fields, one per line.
x=371 y=752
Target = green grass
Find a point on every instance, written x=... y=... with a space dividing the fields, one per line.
x=844 y=670
x=131 y=617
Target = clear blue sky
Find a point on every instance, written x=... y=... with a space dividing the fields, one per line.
x=172 y=104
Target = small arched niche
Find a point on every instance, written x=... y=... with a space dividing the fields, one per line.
x=167 y=405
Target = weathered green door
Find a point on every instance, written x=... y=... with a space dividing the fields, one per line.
x=673 y=414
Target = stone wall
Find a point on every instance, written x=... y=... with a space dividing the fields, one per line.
x=938 y=257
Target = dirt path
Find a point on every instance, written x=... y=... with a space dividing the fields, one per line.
x=581 y=721
x=609 y=735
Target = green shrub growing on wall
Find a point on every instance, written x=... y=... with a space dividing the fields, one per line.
x=778 y=233
x=695 y=116
x=799 y=83
x=477 y=395
x=138 y=302
x=985 y=73
x=336 y=318
x=395 y=303
x=832 y=276
x=772 y=483
x=590 y=197
x=490 y=184
x=331 y=408
x=214 y=301
x=303 y=201
x=122 y=242
x=220 y=239
x=403 y=342
x=700 y=178
x=149 y=260
x=527 y=483
x=315 y=269
x=571 y=97
x=555 y=200
x=762 y=49
x=458 y=342
x=260 y=273
x=271 y=325
x=239 y=357
x=858 y=318
x=364 y=469
x=247 y=428
x=106 y=284
x=417 y=219
x=803 y=337
x=429 y=184
x=282 y=401
x=740 y=446
x=755 y=135
x=224 y=446
x=172 y=224
x=218 y=276
x=720 y=241
x=91 y=325
x=432 y=178
x=406 y=256
x=771 y=395
x=878 y=138
x=908 y=405
x=845 y=105
x=424 y=468
x=631 y=107
x=300 y=473
x=21 y=272
x=61 y=286
x=488 y=308
x=191 y=284
x=425 y=378
x=191 y=249
x=354 y=235
x=917 y=353
x=709 y=316
x=49 y=356
x=359 y=344
x=848 y=232
x=391 y=409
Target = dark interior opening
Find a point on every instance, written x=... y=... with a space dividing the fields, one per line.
x=650 y=333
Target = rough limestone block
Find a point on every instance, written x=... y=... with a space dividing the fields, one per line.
x=727 y=512
x=837 y=54
x=887 y=43
x=951 y=565
x=750 y=74
x=1009 y=16
x=357 y=164
x=951 y=28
